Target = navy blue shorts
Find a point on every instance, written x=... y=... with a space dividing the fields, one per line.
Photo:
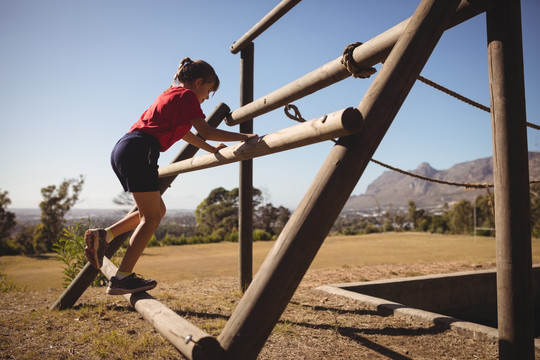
x=134 y=159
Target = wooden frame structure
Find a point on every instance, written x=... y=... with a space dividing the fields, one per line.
x=404 y=49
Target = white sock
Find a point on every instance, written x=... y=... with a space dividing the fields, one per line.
x=109 y=235
x=120 y=275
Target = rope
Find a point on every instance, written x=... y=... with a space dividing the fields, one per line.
x=465 y=185
x=297 y=116
x=454 y=94
x=463 y=98
x=352 y=66
x=533 y=126
x=357 y=71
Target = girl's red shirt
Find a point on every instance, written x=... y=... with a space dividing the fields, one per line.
x=169 y=118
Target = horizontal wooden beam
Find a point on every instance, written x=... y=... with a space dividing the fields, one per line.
x=274 y=15
x=337 y=124
x=191 y=341
x=369 y=54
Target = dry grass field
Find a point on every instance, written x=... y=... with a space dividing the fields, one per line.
x=221 y=259
x=200 y=283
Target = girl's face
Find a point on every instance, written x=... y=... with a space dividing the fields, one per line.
x=202 y=89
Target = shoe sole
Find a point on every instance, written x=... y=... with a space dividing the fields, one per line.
x=92 y=245
x=120 y=291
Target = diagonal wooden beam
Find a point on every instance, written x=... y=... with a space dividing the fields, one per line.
x=265 y=300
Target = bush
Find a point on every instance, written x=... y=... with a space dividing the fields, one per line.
x=8 y=247
x=6 y=283
x=232 y=236
x=153 y=242
x=261 y=235
x=370 y=228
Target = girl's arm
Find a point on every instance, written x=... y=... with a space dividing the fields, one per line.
x=200 y=143
x=210 y=133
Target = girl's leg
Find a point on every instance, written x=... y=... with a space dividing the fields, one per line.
x=128 y=223
x=151 y=211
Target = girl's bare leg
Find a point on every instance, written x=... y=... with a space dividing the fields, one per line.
x=151 y=211
x=128 y=223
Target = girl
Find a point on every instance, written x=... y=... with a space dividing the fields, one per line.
x=134 y=160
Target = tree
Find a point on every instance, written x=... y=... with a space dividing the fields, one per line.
x=535 y=209
x=7 y=218
x=460 y=218
x=217 y=211
x=124 y=199
x=412 y=213
x=217 y=215
x=7 y=223
x=57 y=201
x=485 y=213
x=271 y=219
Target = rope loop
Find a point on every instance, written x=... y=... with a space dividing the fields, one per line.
x=297 y=116
x=352 y=66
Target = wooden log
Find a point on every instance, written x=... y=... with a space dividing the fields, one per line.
x=340 y=123
x=87 y=275
x=274 y=15
x=245 y=193
x=511 y=179
x=272 y=288
x=369 y=54
x=191 y=341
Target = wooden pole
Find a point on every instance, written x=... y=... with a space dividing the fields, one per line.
x=272 y=288
x=511 y=180
x=191 y=341
x=369 y=54
x=340 y=123
x=87 y=275
x=245 y=198
x=277 y=12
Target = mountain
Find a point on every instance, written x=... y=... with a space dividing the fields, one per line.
x=394 y=189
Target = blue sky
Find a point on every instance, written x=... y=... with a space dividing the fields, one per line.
x=75 y=75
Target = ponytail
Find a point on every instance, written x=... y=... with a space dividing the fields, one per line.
x=189 y=71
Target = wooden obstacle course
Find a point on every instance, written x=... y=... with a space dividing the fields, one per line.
x=404 y=49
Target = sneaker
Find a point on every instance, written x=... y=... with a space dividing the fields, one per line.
x=129 y=285
x=96 y=244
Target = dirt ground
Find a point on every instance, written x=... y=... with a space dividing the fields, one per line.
x=315 y=325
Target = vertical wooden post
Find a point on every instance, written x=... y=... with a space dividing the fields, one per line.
x=259 y=309
x=245 y=208
x=511 y=179
x=87 y=275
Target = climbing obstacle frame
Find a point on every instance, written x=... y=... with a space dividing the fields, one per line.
x=404 y=49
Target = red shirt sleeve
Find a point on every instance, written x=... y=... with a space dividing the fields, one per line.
x=169 y=118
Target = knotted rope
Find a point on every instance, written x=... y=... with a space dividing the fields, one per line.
x=352 y=66
x=362 y=72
